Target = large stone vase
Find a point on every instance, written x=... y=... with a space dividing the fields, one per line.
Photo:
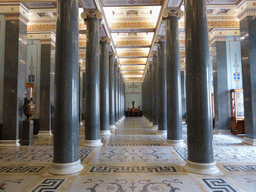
x=29 y=108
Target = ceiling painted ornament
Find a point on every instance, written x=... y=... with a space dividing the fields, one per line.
x=110 y=3
x=222 y=2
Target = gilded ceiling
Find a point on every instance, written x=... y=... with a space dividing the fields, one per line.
x=134 y=25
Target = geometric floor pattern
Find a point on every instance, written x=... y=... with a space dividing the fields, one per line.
x=133 y=159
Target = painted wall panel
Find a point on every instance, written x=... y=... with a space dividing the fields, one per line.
x=33 y=71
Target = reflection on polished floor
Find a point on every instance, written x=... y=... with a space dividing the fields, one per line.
x=134 y=159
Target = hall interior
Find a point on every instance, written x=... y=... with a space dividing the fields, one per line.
x=135 y=158
x=88 y=65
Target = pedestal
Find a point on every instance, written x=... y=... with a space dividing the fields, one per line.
x=27 y=133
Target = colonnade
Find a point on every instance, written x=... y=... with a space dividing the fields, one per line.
x=104 y=86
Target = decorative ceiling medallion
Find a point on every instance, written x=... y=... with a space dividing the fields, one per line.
x=40 y=5
x=174 y=3
x=222 y=2
x=88 y=4
x=110 y=3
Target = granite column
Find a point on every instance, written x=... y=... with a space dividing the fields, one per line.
x=174 y=105
x=112 y=93
x=154 y=92
x=66 y=123
x=248 y=47
x=200 y=146
x=221 y=90
x=162 y=102
x=116 y=93
x=104 y=86
x=92 y=115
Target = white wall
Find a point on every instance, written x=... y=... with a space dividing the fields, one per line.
x=133 y=92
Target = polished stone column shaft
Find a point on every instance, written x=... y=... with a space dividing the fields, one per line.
x=92 y=119
x=119 y=95
x=183 y=95
x=66 y=126
x=111 y=91
x=248 y=47
x=104 y=86
x=14 y=77
x=116 y=92
x=162 y=103
x=221 y=92
x=150 y=93
x=46 y=82
x=155 y=92
x=200 y=147
x=174 y=106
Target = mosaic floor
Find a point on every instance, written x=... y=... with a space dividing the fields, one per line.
x=134 y=159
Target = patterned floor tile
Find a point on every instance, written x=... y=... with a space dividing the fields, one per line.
x=133 y=184
x=21 y=169
x=134 y=155
x=243 y=182
x=15 y=183
x=49 y=184
x=218 y=185
x=34 y=154
x=239 y=168
x=133 y=169
x=225 y=154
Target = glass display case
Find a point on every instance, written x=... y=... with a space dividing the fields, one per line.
x=237 y=111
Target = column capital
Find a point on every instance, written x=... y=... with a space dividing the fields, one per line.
x=154 y=54
x=89 y=13
x=160 y=39
x=116 y=63
x=173 y=13
x=112 y=53
x=105 y=40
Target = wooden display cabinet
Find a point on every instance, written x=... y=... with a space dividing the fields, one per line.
x=237 y=111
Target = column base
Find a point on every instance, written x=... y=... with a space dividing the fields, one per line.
x=9 y=143
x=162 y=132
x=249 y=141
x=222 y=132
x=155 y=127
x=105 y=132
x=93 y=143
x=66 y=168
x=201 y=168
x=175 y=143
x=44 y=133
x=112 y=128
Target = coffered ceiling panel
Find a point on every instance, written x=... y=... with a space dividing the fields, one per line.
x=133 y=26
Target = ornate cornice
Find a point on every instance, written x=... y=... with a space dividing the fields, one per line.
x=172 y=13
x=105 y=40
x=91 y=13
